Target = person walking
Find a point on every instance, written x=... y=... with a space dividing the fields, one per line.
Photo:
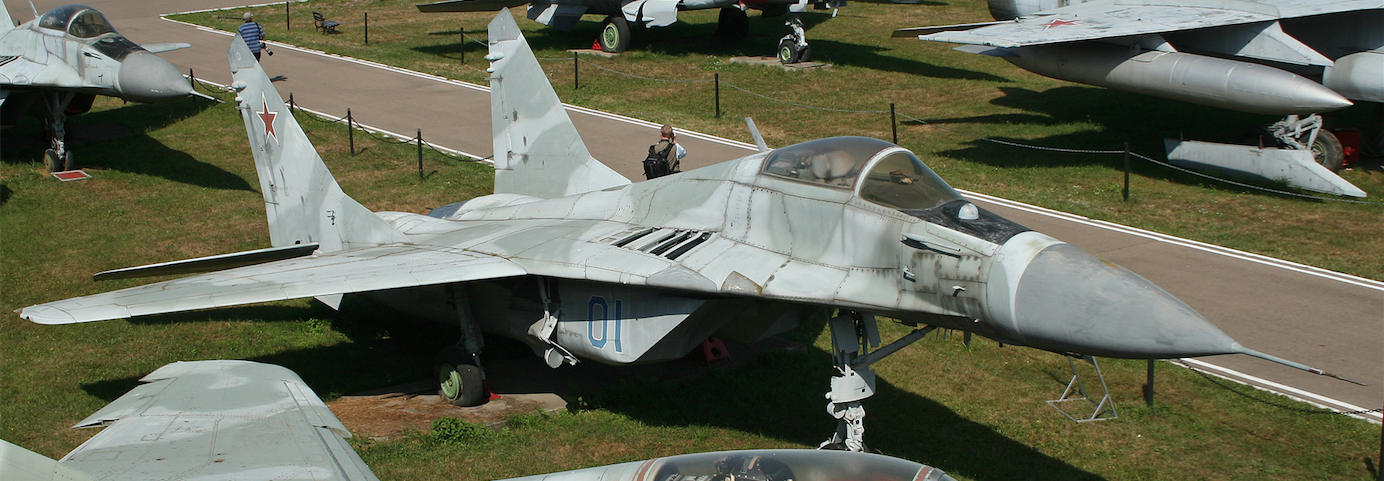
x=253 y=35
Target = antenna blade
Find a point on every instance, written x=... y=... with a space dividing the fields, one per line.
x=754 y=132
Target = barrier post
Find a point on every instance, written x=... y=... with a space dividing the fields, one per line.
x=576 y=72
x=351 y=131
x=1126 y=169
x=1148 y=387
x=288 y=17
x=420 y=154
x=367 y=28
x=717 y=79
x=463 y=44
x=894 y=123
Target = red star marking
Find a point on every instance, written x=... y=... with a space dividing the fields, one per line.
x=267 y=118
x=1058 y=23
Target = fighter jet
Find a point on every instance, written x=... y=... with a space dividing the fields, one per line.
x=246 y=420
x=572 y=259
x=67 y=57
x=733 y=24
x=1295 y=58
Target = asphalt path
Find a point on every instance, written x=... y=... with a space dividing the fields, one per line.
x=1328 y=320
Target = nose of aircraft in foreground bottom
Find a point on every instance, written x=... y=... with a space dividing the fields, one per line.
x=1068 y=300
x=145 y=77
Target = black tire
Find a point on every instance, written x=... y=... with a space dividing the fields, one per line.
x=788 y=51
x=805 y=55
x=615 y=34
x=733 y=25
x=1326 y=150
x=459 y=380
x=68 y=163
x=52 y=161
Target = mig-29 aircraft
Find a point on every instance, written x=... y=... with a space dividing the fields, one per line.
x=251 y=421
x=67 y=57
x=732 y=23
x=572 y=259
x=1263 y=56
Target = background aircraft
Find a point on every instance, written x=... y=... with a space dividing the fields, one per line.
x=64 y=59
x=1263 y=57
x=247 y=420
x=615 y=32
x=575 y=261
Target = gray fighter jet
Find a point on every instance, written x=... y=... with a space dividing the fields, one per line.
x=1263 y=57
x=253 y=421
x=572 y=259
x=732 y=24
x=63 y=59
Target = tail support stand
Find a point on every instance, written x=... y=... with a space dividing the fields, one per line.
x=1076 y=391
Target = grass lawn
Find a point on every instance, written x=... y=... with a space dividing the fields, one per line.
x=180 y=183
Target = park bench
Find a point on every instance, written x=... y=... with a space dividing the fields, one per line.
x=321 y=22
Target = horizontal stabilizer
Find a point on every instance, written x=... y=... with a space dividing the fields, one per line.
x=209 y=264
x=916 y=31
x=470 y=5
x=19 y=463
x=342 y=272
x=165 y=47
x=219 y=420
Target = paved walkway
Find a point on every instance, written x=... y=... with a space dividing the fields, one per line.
x=1327 y=320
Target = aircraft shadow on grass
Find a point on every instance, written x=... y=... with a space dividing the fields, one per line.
x=771 y=396
x=118 y=142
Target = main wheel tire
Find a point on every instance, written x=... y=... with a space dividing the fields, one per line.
x=788 y=51
x=459 y=380
x=732 y=25
x=1326 y=150
x=52 y=161
x=805 y=55
x=615 y=34
x=68 y=163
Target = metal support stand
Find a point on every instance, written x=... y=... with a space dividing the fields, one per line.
x=1126 y=169
x=1076 y=391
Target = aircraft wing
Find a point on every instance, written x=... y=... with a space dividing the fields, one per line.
x=470 y=5
x=357 y=270
x=218 y=420
x=165 y=47
x=20 y=71
x=1127 y=18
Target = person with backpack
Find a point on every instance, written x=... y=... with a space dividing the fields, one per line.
x=665 y=157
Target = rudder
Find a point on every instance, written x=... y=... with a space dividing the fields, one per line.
x=537 y=149
x=302 y=200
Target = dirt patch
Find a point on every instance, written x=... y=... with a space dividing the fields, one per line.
x=392 y=414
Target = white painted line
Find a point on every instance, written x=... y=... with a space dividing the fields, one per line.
x=1281 y=389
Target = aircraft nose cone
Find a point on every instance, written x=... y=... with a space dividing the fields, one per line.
x=1068 y=300
x=145 y=77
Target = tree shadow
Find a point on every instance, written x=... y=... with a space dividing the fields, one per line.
x=117 y=139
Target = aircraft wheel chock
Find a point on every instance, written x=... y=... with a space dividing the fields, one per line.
x=459 y=379
x=1326 y=150
x=615 y=34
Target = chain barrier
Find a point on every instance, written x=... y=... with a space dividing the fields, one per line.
x=396 y=32
x=1281 y=405
x=1239 y=184
x=642 y=78
x=766 y=97
x=450 y=155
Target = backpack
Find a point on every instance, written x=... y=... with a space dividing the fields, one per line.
x=657 y=164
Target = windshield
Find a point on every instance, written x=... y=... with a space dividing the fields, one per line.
x=84 y=21
x=834 y=161
x=901 y=181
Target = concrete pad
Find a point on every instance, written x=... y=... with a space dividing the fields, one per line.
x=598 y=53
x=774 y=62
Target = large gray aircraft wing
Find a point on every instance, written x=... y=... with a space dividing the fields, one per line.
x=205 y=420
x=356 y=270
x=1129 y=18
x=470 y=5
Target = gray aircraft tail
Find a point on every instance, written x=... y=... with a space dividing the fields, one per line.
x=301 y=198
x=537 y=149
x=6 y=22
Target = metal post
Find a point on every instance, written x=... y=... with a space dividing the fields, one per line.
x=894 y=123
x=351 y=131
x=291 y=106
x=367 y=28
x=192 y=80
x=1126 y=160
x=420 y=154
x=576 y=72
x=717 y=80
x=1148 y=388
x=463 y=44
x=288 y=17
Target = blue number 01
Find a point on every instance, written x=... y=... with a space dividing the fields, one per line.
x=604 y=320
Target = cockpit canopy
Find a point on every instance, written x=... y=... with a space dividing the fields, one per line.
x=79 y=21
x=894 y=177
x=786 y=465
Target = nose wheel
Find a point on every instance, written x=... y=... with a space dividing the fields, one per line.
x=793 y=48
x=459 y=378
x=853 y=334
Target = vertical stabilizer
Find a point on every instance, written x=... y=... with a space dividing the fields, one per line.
x=6 y=22
x=537 y=149
x=302 y=199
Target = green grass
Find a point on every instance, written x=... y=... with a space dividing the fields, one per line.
x=182 y=184
x=974 y=95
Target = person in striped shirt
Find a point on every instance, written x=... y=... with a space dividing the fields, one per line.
x=252 y=33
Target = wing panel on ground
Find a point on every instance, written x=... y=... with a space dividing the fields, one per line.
x=1101 y=20
x=218 y=420
x=357 y=270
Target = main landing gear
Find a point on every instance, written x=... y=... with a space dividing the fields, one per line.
x=853 y=334
x=460 y=376
x=615 y=34
x=793 y=48
x=1306 y=133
